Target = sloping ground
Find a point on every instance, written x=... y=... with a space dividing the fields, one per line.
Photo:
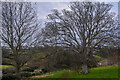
x=5 y=66
x=42 y=76
x=99 y=72
x=65 y=75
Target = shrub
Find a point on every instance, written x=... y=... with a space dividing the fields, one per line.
x=30 y=69
x=6 y=61
x=44 y=70
x=9 y=77
x=26 y=74
x=8 y=70
x=98 y=58
x=29 y=74
x=35 y=73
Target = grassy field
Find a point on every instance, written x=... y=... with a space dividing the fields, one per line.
x=99 y=72
x=5 y=66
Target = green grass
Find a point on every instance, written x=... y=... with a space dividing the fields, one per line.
x=99 y=72
x=56 y=74
x=5 y=66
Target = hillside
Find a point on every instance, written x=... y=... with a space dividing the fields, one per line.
x=99 y=72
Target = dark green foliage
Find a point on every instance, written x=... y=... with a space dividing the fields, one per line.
x=8 y=70
x=26 y=74
x=35 y=74
x=6 y=61
x=9 y=77
x=107 y=52
x=30 y=68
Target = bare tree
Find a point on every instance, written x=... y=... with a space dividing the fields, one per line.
x=19 y=25
x=84 y=28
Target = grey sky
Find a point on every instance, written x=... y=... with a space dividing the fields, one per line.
x=44 y=8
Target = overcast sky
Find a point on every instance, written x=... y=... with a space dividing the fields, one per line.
x=44 y=8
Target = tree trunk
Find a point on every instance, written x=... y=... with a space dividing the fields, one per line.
x=18 y=73
x=84 y=69
x=84 y=65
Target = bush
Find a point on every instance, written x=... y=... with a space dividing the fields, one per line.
x=30 y=69
x=6 y=61
x=9 y=77
x=44 y=70
x=8 y=70
x=26 y=74
x=29 y=74
x=34 y=74
x=98 y=58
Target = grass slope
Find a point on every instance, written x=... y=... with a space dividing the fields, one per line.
x=99 y=72
x=5 y=66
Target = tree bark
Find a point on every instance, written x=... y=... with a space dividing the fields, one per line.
x=84 y=65
x=18 y=73
x=84 y=69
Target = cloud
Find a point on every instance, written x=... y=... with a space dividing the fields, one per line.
x=44 y=8
x=115 y=7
